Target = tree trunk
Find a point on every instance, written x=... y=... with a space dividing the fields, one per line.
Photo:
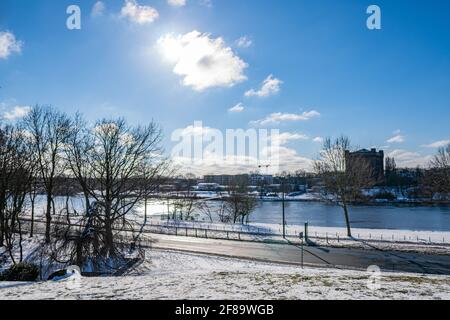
x=145 y=210
x=79 y=254
x=347 y=220
x=48 y=216
x=32 y=217
x=87 y=202
x=20 y=240
x=109 y=241
x=2 y=219
x=2 y=229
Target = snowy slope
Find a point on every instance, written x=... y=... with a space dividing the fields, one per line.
x=172 y=275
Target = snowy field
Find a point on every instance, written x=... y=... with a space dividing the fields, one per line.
x=172 y=275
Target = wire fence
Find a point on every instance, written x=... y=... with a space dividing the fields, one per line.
x=232 y=232
x=254 y=233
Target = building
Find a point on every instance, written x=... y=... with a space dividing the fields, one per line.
x=248 y=179
x=261 y=179
x=207 y=187
x=373 y=159
x=227 y=180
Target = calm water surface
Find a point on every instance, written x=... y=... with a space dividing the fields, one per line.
x=319 y=214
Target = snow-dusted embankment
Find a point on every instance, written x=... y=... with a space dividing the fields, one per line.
x=170 y=275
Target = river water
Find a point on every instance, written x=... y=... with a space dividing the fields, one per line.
x=373 y=217
x=418 y=218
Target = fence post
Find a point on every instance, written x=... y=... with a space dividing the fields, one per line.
x=196 y=233
x=228 y=235
x=306 y=231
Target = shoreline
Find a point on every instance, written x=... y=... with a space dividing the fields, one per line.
x=409 y=203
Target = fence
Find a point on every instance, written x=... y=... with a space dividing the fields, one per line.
x=240 y=232
x=253 y=233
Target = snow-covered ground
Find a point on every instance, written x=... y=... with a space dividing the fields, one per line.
x=172 y=275
x=436 y=237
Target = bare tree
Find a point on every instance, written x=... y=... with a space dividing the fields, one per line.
x=78 y=144
x=436 y=179
x=15 y=178
x=239 y=204
x=117 y=167
x=34 y=189
x=343 y=180
x=48 y=129
x=185 y=203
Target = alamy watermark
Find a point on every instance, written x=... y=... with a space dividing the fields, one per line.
x=73 y=21
x=374 y=20
x=373 y=283
x=198 y=145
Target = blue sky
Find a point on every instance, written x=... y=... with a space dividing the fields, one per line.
x=330 y=74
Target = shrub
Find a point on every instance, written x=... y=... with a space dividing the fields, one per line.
x=21 y=272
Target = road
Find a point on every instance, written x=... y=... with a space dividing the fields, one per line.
x=313 y=256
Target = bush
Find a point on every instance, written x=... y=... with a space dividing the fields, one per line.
x=20 y=272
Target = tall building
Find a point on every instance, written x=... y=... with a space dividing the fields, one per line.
x=372 y=158
x=226 y=180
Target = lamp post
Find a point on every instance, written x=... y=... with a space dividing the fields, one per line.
x=283 y=205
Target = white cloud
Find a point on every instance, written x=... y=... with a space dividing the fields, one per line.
x=278 y=117
x=202 y=159
x=98 y=9
x=396 y=139
x=409 y=159
x=177 y=3
x=237 y=108
x=9 y=45
x=203 y=62
x=437 y=144
x=318 y=139
x=269 y=87
x=206 y=3
x=244 y=42
x=290 y=161
x=285 y=137
x=139 y=14
x=16 y=113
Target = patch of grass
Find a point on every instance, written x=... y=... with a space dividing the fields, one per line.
x=417 y=280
